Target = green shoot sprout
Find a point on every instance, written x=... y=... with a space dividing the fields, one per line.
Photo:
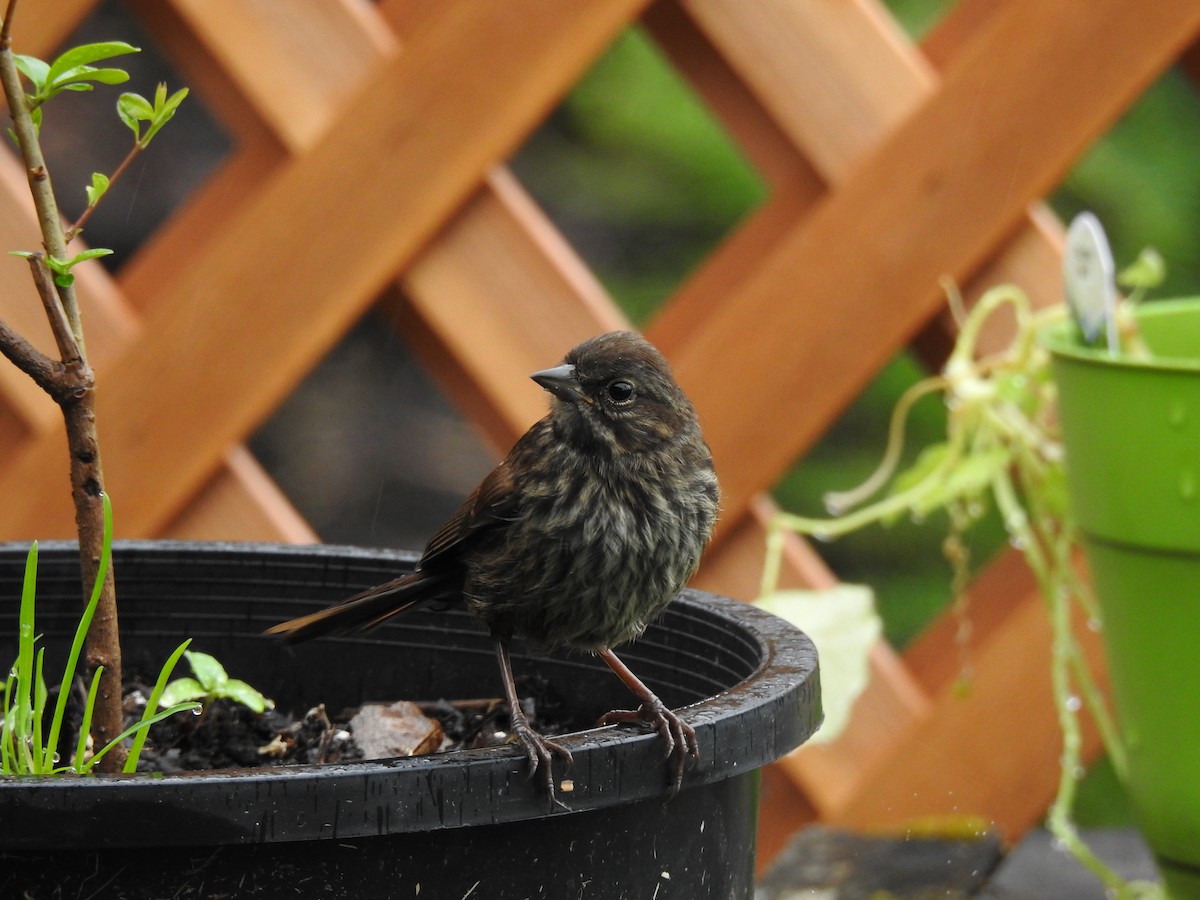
x=212 y=683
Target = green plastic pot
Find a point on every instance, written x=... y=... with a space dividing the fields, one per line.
x=1132 y=435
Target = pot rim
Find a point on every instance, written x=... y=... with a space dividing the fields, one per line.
x=1060 y=338
x=759 y=719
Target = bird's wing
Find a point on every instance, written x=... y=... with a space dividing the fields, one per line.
x=491 y=504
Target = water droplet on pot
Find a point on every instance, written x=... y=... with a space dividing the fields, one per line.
x=1178 y=415
x=1187 y=486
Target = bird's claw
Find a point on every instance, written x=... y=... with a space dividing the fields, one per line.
x=678 y=735
x=540 y=750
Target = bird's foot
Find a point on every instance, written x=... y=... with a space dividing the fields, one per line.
x=540 y=751
x=677 y=734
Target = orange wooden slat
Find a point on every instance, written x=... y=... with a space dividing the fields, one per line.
x=859 y=277
x=1032 y=260
x=305 y=255
x=799 y=52
x=241 y=503
x=794 y=185
x=834 y=75
x=993 y=751
x=406 y=15
x=955 y=28
x=40 y=26
x=295 y=69
x=767 y=146
x=499 y=275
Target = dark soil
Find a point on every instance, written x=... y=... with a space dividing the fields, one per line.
x=228 y=735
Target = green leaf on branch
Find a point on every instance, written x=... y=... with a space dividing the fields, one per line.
x=83 y=56
x=32 y=68
x=72 y=71
x=1145 y=272
x=134 y=109
x=97 y=189
x=61 y=268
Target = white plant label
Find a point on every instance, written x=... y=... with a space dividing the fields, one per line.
x=1089 y=280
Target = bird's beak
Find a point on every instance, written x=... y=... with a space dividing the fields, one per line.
x=561 y=382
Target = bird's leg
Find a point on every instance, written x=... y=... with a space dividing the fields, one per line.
x=679 y=736
x=537 y=748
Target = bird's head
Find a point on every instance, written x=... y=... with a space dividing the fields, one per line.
x=615 y=392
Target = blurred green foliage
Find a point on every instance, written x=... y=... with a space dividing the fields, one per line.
x=1142 y=181
x=634 y=171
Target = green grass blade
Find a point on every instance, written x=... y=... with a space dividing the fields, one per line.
x=25 y=646
x=164 y=674
x=7 y=762
x=39 y=707
x=81 y=631
x=85 y=726
x=18 y=711
x=138 y=726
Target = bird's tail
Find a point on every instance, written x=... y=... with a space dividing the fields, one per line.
x=361 y=612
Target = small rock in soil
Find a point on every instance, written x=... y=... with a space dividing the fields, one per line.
x=400 y=729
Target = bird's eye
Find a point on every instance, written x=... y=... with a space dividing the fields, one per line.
x=620 y=392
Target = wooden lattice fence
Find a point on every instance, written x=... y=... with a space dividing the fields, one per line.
x=370 y=140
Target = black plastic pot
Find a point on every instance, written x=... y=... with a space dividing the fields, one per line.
x=456 y=824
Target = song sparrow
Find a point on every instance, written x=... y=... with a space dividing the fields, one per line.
x=579 y=538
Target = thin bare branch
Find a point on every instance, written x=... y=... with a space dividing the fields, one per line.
x=77 y=226
x=49 y=219
x=68 y=348
x=6 y=29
